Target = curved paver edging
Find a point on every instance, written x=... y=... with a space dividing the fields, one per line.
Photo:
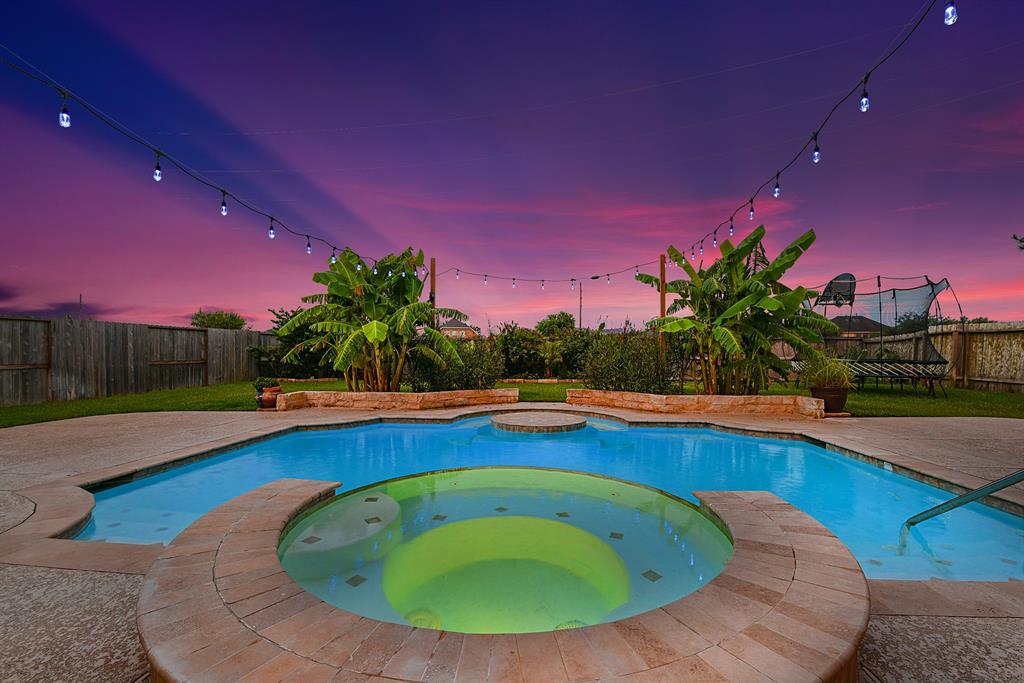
x=538 y=423
x=791 y=605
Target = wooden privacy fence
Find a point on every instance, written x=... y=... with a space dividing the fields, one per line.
x=64 y=359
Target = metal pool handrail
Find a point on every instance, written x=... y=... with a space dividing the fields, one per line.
x=954 y=503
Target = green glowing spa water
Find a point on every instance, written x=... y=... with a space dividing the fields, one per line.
x=503 y=550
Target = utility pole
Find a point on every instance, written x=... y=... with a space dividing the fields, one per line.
x=662 y=292
x=433 y=291
x=579 y=322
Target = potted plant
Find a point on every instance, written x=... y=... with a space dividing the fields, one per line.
x=267 y=389
x=829 y=379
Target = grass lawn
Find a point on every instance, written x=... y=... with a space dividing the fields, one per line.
x=540 y=392
x=870 y=402
x=886 y=402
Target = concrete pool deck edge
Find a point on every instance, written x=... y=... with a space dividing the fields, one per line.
x=792 y=604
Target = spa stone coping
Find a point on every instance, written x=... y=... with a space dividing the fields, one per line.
x=791 y=605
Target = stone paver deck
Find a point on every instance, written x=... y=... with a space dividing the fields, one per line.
x=952 y=452
x=791 y=605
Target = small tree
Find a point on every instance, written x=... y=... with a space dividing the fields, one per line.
x=219 y=320
x=557 y=324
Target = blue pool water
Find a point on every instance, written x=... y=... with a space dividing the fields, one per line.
x=862 y=504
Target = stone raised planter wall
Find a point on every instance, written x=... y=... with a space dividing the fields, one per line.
x=386 y=400
x=803 y=406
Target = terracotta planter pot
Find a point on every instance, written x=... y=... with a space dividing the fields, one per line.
x=267 y=397
x=835 y=399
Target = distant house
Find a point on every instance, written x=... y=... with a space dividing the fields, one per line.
x=859 y=326
x=455 y=329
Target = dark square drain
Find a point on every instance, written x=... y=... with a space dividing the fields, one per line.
x=311 y=539
x=617 y=535
x=372 y=520
x=651 y=575
x=439 y=518
x=355 y=580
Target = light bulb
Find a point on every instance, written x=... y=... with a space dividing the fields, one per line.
x=637 y=271
x=223 y=204
x=309 y=246
x=542 y=284
x=403 y=273
x=334 y=258
x=375 y=270
x=609 y=276
x=750 y=214
x=157 y=173
x=485 y=279
x=777 y=192
x=949 y=17
x=816 y=154
x=359 y=266
x=714 y=239
x=572 y=285
x=732 y=230
x=65 y=115
x=270 y=231
x=865 y=103
x=693 y=253
x=390 y=273
x=702 y=247
x=513 y=283
x=456 y=273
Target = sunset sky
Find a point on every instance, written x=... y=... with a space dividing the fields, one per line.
x=529 y=139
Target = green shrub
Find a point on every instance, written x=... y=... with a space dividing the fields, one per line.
x=220 y=320
x=627 y=362
x=826 y=372
x=520 y=351
x=482 y=366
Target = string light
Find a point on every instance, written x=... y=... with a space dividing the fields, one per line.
x=693 y=254
x=513 y=283
x=223 y=204
x=456 y=273
x=778 y=189
x=403 y=272
x=714 y=239
x=334 y=258
x=702 y=247
x=309 y=246
x=542 y=285
x=609 y=276
x=485 y=278
x=572 y=284
x=637 y=268
x=359 y=266
x=270 y=231
x=390 y=273
x=375 y=270
x=949 y=16
x=750 y=215
x=65 y=116
x=865 y=103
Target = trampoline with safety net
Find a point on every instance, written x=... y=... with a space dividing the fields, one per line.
x=883 y=329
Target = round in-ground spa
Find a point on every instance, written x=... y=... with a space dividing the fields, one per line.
x=503 y=550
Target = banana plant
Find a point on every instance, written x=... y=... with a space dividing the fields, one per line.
x=370 y=318
x=739 y=315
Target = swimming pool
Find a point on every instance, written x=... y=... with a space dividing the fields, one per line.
x=862 y=504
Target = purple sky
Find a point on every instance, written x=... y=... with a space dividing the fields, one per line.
x=540 y=140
